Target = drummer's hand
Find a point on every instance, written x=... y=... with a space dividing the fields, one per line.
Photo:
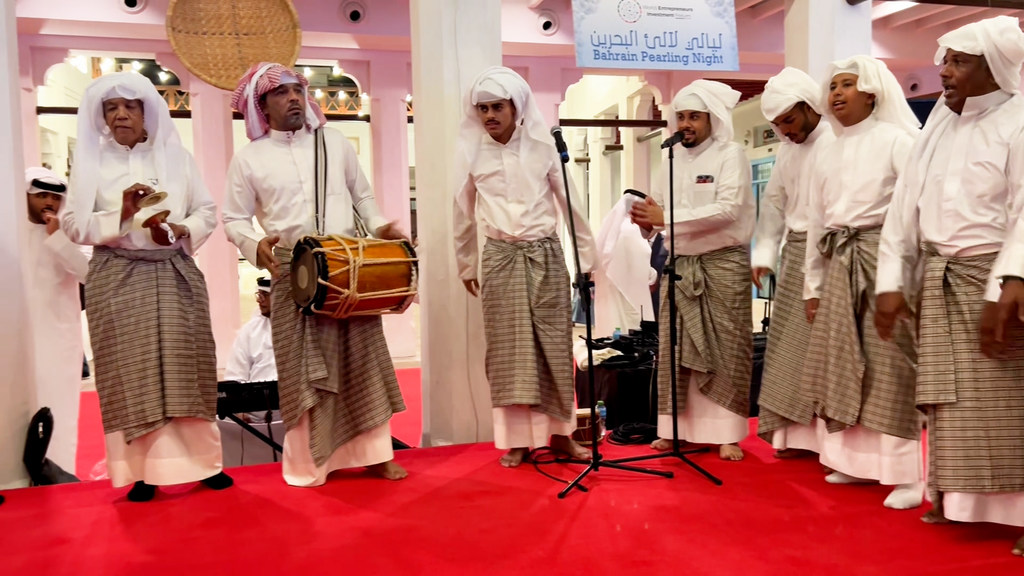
x=130 y=199
x=265 y=255
x=472 y=286
x=390 y=231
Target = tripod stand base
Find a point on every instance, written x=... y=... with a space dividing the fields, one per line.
x=681 y=455
x=596 y=465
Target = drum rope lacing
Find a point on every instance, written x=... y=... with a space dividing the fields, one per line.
x=348 y=299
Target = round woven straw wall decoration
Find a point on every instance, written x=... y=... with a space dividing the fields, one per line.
x=218 y=40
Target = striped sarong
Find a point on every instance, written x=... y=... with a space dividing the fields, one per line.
x=853 y=375
x=525 y=296
x=149 y=322
x=781 y=401
x=714 y=337
x=339 y=371
x=975 y=404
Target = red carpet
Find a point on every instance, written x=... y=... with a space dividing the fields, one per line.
x=459 y=512
x=406 y=426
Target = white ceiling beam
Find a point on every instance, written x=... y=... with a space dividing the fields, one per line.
x=948 y=16
x=908 y=16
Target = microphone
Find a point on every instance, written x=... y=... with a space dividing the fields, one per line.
x=674 y=139
x=563 y=150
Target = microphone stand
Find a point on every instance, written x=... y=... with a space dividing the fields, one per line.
x=670 y=274
x=583 y=284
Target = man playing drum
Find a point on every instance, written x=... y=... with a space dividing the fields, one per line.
x=512 y=185
x=336 y=382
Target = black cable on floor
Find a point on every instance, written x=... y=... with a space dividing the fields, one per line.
x=537 y=457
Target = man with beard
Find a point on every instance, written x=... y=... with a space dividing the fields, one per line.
x=792 y=102
x=714 y=220
x=962 y=190
x=57 y=268
x=336 y=383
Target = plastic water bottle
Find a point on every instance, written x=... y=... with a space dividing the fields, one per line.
x=616 y=333
x=602 y=416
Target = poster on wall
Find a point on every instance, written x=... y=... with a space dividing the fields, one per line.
x=656 y=35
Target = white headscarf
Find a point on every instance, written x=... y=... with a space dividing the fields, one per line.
x=999 y=40
x=787 y=89
x=718 y=100
x=874 y=77
x=93 y=133
x=535 y=143
x=43 y=175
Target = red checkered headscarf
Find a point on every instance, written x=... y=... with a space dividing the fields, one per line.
x=259 y=80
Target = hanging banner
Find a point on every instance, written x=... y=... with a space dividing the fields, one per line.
x=657 y=35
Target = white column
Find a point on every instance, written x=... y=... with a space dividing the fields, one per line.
x=817 y=32
x=452 y=42
x=15 y=356
x=389 y=135
x=602 y=197
x=218 y=258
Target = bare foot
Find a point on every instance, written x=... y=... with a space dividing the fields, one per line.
x=1018 y=548
x=390 y=470
x=787 y=453
x=730 y=452
x=567 y=445
x=514 y=457
x=663 y=445
x=934 y=516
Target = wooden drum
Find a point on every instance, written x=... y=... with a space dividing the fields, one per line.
x=339 y=276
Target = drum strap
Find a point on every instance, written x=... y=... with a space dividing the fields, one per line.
x=320 y=168
x=320 y=193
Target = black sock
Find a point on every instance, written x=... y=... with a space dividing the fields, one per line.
x=218 y=481
x=142 y=492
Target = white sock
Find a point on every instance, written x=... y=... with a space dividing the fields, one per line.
x=840 y=478
x=905 y=496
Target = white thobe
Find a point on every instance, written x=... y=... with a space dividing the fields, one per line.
x=517 y=203
x=785 y=207
x=252 y=356
x=786 y=202
x=714 y=209
x=273 y=179
x=55 y=267
x=856 y=175
x=185 y=449
x=622 y=293
x=972 y=194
